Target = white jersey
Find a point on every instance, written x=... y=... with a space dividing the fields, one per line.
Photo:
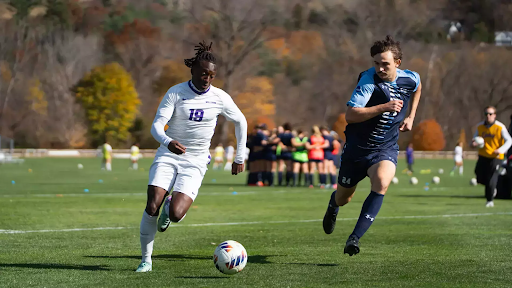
x=458 y=151
x=457 y=156
x=230 y=150
x=192 y=116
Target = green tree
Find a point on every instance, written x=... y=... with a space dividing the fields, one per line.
x=110 y=101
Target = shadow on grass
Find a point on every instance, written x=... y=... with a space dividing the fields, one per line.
x=260 y=259
x=172 y=257
x=314 y=264
x=55 y=266
x=202 y=277
x=442 y=196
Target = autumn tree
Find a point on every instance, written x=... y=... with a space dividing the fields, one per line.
x=428 y=136
x=110 y=101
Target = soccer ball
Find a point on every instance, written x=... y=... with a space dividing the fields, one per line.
x=414 y=180
x=440 y=171
x=395 y=180
x=436 y=180
x=80 y=166
x=473 y=182
x=480 y=143
x=230 y=257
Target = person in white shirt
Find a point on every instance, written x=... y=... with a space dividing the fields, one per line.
x=457 y=158
x=190 y=109
x=230 y=152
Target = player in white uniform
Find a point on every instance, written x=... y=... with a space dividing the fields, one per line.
x=230 y=152
x=190 y=109
x=457 y=158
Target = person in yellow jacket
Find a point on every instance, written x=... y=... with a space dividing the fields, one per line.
x=490 y=157
x=106 y=163
x=134 y=156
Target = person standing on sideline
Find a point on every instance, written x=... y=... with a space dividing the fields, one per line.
x=106 y=160
x=490 y=157
x=409 y=155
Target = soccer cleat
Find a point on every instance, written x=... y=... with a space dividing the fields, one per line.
x=352 y=246
x=144 y=267
x=329 y=221
x=163 y=220
x=489 y=204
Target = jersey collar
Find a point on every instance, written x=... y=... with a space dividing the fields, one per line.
x=193 y=88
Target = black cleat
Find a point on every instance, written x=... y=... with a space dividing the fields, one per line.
x=352 y=246
x=330 y=219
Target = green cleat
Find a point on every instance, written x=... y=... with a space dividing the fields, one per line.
x=144 y=267
x=163 y=219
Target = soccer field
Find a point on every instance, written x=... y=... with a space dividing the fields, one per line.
x=53 y=234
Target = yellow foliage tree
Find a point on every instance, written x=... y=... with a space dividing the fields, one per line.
x=110 y=101
x=340 y=125
x=257 y=99
x=428 y=136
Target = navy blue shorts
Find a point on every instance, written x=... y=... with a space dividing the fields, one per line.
x=328 y=155
x=286 y=156
x=255 y=156
x=270 y=156
x=354 y=169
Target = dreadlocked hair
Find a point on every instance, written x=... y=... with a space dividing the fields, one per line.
x=203 y=52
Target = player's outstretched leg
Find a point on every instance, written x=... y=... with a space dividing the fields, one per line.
x=148 y=226
x=340 y=197
x=380 y=177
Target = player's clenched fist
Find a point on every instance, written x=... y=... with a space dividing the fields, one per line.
x=236 y=168
x=394 y=106
x=176 y=147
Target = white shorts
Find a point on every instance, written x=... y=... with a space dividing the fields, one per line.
x=178 y=173
x=134 y=158
x=457 y=159
x=229 y=159
x=219 y=159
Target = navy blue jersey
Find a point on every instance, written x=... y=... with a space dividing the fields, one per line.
x=380 y=132
x=258 y=138
x=286 y=138
x=330 y=139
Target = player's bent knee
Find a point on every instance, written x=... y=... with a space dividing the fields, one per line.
x=152 y=208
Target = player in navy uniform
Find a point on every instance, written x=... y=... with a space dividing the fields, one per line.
x=286 y=155
x=375 y=115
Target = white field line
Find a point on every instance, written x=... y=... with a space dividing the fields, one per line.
x=255 y=222
x=220 y=193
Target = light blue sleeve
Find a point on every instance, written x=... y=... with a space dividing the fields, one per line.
x=363 y=91
x=414 y=76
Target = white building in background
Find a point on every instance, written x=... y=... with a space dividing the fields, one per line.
x=503 y=38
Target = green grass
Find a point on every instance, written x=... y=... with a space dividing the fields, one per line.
x=465 y=251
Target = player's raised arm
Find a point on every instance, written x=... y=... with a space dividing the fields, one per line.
x=163 y=114
x=233 y=114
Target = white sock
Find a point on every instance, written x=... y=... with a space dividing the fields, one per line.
x=135 y=166
x=461 y=170
x=147 y=235
x=228 y=166
x=109 y=166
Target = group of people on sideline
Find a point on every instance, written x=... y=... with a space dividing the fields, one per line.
x=295 y=156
